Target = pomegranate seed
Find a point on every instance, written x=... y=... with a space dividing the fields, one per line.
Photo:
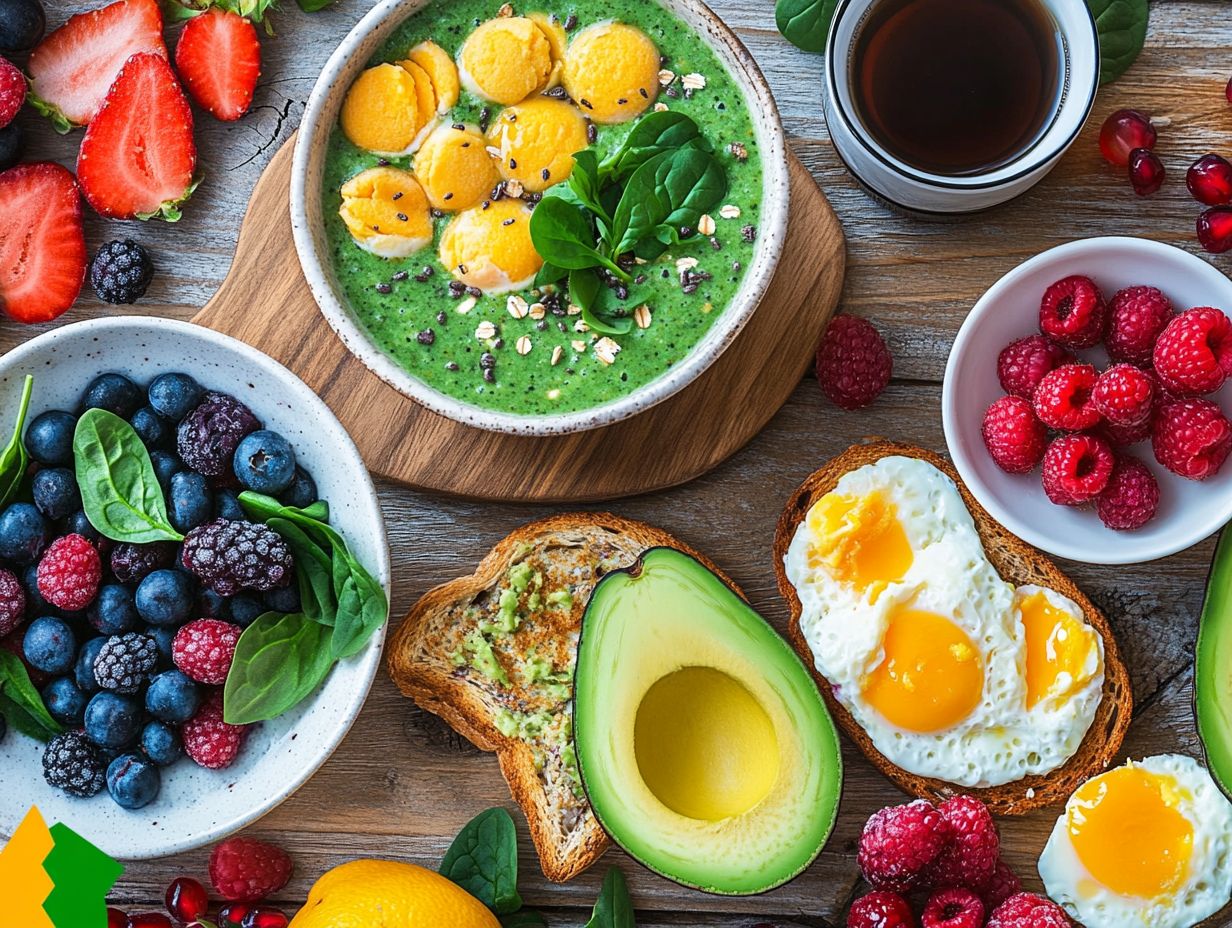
x=1215 y=229
x=1146 y=171
x=149 y=920
x=265 y=918
x=1124 y=131
x=187 y=900
x=116 y=918
x=232 y=916
x=1209 y=179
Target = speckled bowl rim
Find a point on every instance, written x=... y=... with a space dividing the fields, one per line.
x=307 y=227
x=369 y=660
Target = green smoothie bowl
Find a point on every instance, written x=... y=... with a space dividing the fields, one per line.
x=539 y=219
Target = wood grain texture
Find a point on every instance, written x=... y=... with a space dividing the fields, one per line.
x=265 y=296
x=401 y=782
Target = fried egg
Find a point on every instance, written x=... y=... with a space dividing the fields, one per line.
x=953 y=672
x=1148 y=844
x=536 y=140
x=505 y=60
x=491 y=248
x=612 y=71
x=455 y=168
x=386 y=212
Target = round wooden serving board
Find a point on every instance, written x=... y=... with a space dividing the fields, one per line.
x=265 y=302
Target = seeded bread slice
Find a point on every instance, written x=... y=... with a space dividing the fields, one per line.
x=1018 y=563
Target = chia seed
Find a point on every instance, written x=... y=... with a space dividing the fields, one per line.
x=557 y=93
x=621 y=101
x=437 y=213
x=498 y=343
x=639 y=279
x=426 y=337
x=448 y=196
x=748 y=233
x=736 y=265
x=586 y=103
x=507 y=222
x=671 y=92
x=642 y=91
x=397 y=196
x=571 y=22
x=542 y=325
x=739 y=152
x=485 y=117
x=513 y=164
x=459 y=126
x=400 y=275
x=545 y=173
x=592 y=132
x=451 y=365
x=687 y=232
x=456 y=289
x=489 y=375
x=487 y=360
x=441 y=317
x=383 y=287
x=382 y=162
x=474 y=291
x=402 y=216
x=716 y=244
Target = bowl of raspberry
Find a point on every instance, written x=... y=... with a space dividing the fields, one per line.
x=1087 y=397
x=194 y=583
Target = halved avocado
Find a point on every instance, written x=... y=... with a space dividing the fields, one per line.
x=703 y=744
x=1213 y=667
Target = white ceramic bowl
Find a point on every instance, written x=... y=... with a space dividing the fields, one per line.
x=1188 y=511
x=321 y=116
x=197 y=806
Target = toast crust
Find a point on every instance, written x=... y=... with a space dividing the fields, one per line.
x=1016 y=562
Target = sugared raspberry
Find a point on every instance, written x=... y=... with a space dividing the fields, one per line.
x=1023 y=364
x=133 y=563
x=1004 y=883
x=1191 y=438
x=1063 y=398
x=853 y=362
x=1073 y=312
x=12 y=602
x=1124 y=394
x=208 y=436
x=1193 y=355
x=1076 y=469
x=203 y=649
x=900 y=844
x=1131 y=497
x=1027 y=910
x=69 y=573
x=881 y=909
x=1136 y=316
x=1013 y=435
x=244 y=870
x=232 y=555
x=971 y=856
x=953 y=907
x=210 y=741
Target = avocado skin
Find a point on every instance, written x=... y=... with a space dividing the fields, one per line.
x=1213 y=667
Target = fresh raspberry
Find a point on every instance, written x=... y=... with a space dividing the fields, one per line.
x=203 y=649
x=1124 y=395
x=233 y=555
x=1004 y=883
x=953 y=907
x=1073 y=312
x=1013 y=435
x=244 y=870
x=12 y=91
x=1193 y=355
x=1076 y=469
x=881 y=909
x=133 y=563
x=1023 y=364
x=853 y=362
x=1063 y=398
x=210 y=741
x=1027 y=910
x=1131 y=497
x=970 y=858
x=208 y=436
x=12 y=602
x=1191 y=438
x=69 y=573
x=1121 y=436
x=1136 y=316
x=900 y=844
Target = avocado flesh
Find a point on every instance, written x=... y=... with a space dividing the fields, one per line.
x=1213 y=667
x=704 y=747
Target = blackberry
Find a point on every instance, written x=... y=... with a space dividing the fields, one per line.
x=209 y=435
x=125 y=662
x=232 y=556
x=133 y=563
x=121 y=271
x=73 y=764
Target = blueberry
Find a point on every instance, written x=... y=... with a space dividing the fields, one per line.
x=132 y=781
x=172 y=396
x=191 y=501
x=50 y=645
x=83 y=672
x=35 y=603
x=161 y=743
x=49 y=438
x=163 y=636
x=227 y=506
x=302 y=492
x=283 y=599
x=245 y=609
x=166 y=465
x=172 y=697
x=152 y=430
x=213 y=605
x=112 y=720
x=165 y=597
x=113 y=612
x=55 y=492
x=12 y=143
x=65 y=702
x=265 y=462
x=114 y=393
x=79 y=524
x=23 y=533
x=21 y=24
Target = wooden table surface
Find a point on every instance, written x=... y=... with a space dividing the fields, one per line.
x=402 y=783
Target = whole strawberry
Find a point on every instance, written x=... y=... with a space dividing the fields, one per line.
x=881 y=909
x=1027 y=910
x=210 y=741
x=203 y=650
x=1136 y=316
x=1191 y=438
x=900 y=844
x=1073 y=312
x=1193 y=355
x=246 y=870
x=970 y=858
x=69 y=573
x=853 y=362
x=1023 y=364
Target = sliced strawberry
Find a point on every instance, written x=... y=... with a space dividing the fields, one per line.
x=71 y=70
x=219 y=58
x=12 y=91
x=138 y=156
x=42 y=244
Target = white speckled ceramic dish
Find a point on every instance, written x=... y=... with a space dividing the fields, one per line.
x=197 y=806
x=306 y=221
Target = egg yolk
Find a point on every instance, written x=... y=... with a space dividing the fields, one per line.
x=1059 y=650
x=612 y=71
x=537 y=140
x=386 y=212
x=443 y=73
x=491 y=248
x=455 y=168
x=931 y=677
x=1127 y=831
x=381 y=110
x=505 y=60
x=859 y=540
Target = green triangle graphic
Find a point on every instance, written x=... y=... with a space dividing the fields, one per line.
x=83 y=875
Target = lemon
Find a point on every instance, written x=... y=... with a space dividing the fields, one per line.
x=387 y=894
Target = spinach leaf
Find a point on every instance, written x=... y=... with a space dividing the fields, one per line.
x=22 y=704
x=586 y=290
x=14 y=459
x=119 y=492
x=563 y=235
x=1122 y=33
x=586 y=185
x=279 y=660
x=614 y=908
x=805 y=23
x=313 y=571
x=671 y=190
x=483 y=860
x=654 y=134
x=550 y=274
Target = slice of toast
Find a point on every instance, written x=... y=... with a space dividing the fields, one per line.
x=431 y=659
x=1018 y=563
